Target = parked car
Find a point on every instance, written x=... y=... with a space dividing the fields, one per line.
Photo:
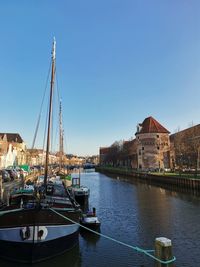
x=5 y=176
x=40 y=180
x=25 y=173
x=12 y=173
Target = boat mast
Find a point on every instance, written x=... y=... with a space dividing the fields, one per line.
x=50 y=111
x=61 y=137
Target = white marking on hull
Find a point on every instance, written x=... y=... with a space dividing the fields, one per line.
x=38 y=233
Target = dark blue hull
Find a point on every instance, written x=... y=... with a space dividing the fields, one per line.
x=35 y=252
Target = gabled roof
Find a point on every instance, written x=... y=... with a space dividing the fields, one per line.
x=150 y=125
x=12 y=137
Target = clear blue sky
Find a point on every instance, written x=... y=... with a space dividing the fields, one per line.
x=118 y=62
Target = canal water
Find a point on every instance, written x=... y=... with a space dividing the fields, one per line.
x=136 y=214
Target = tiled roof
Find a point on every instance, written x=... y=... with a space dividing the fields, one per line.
x=12 y=137
x=150 y=125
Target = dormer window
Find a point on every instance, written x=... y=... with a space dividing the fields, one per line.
x=139 y=126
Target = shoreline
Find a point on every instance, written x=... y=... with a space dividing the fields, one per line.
x=186 y=184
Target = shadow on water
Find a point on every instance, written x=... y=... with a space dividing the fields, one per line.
x=71 y=258
x=90 y=239
x=172 y=189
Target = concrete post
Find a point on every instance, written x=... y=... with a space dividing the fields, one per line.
x=163 y=251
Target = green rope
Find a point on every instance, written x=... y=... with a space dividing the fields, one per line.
x=146 y=252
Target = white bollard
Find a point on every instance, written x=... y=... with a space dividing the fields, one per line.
x=163 y=251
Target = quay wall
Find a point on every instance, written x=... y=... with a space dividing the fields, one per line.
x=179 y=182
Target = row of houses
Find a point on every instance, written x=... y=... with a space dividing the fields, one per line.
x=154 y=148
x=13 y=152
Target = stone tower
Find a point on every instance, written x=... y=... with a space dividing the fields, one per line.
x=153 y=149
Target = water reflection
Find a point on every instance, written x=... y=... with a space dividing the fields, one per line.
x=71 y=258
x=154 y=213
x=135 y=213
x=90 y=239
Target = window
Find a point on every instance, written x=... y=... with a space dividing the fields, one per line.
x=157 y=135
x=158 y=147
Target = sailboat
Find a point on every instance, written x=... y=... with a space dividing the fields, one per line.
x=39 y=222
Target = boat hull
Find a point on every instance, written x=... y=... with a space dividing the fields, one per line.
x=35 y=252
x=32 y=236
x=81 y=199
x=92 y=226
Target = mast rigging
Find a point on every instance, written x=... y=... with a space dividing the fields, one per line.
x=50 y=111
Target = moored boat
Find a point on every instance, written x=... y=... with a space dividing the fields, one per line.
x=39 y=222
x=79 y=192
x=90 y=220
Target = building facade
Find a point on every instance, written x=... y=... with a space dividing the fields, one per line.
x=153 y=145
x=185 y=148
x=12 y=150
x=155 y=149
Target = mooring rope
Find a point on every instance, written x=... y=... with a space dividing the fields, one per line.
x=147 y=252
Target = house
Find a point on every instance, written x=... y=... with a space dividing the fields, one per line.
x=12 y=150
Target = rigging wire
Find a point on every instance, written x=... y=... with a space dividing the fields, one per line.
x=54 y=146
x=45 y=131
x=58 y=101
x=58 y=95
x=39 y=117
x=63 y=132
x=52 y=124
x=57 y=124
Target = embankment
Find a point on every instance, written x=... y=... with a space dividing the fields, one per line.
x=164 y=180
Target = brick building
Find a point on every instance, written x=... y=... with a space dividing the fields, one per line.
x=185 y=148
x=155 y=148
